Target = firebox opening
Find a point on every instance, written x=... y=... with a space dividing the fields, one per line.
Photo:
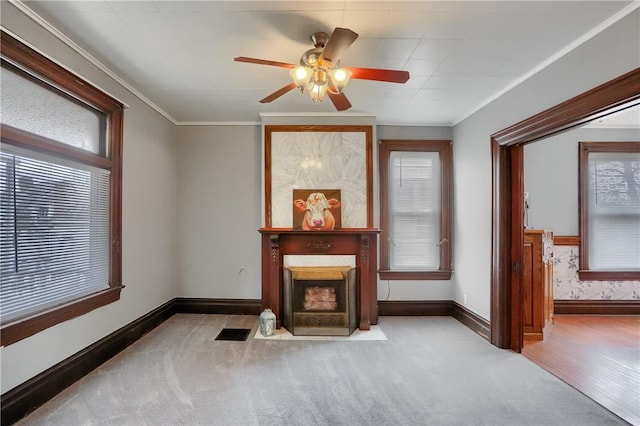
x=319 y=296
x=320 y=300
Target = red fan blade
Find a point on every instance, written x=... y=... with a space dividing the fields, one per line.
x=275 y=95
x=338 y=43
x=339 y=100
x=392 y=76
x=263 y=62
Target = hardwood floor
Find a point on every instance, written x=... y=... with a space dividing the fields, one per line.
x=598 y=355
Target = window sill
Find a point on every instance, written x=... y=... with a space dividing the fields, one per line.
x=21 y=329
x=593 y=275
x=415 y=275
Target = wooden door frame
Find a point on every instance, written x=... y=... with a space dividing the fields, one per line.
x=508 y=193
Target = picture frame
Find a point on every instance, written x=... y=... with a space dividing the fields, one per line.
x=319 y=156
x=317 y=209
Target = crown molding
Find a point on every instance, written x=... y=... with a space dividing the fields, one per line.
x=556 y=56
x=86 y=55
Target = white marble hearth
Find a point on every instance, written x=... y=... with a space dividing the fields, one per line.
x=283 y=334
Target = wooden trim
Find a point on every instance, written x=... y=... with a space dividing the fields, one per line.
x=470 y=319
x=500 y=323
x=38 y=67
x=367 y=130
x=445 y=149
x=584 y=149
x=592 y=275
x=23 y=57
x=22 y=138
x=23 y=399
x=583 y=197
x=596 y=307
x=415 y=275
x=612 y=96
x=446 y=217
x=566 y=240
x=267 y=177
x=369 y=177
x=517 y=248
x=116 y=129
x=187 y=305
x=609 y=97
x=414 y=308
x=23 y=328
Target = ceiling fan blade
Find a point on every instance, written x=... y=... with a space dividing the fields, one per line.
x=392 y=76
x=339 y=100
x=275 y=95
x=263 y=62
x=338 y=43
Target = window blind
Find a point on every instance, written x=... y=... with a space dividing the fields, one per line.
x=614 y=211
x=414 y=193
x=54 y=238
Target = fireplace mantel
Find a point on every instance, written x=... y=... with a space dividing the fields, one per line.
x=360 y=242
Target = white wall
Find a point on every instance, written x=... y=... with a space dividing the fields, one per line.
x=611 y=53
x=551 y=176
x=219 y=196
x=149 y=220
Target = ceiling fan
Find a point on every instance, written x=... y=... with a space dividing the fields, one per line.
x=318 y=73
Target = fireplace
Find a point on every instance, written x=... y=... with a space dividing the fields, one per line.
x=320 y=300
x=360 y=243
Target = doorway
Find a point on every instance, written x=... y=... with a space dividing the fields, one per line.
x=508 y=194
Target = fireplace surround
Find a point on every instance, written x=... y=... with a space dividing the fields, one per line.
x=343 y=155
x=361 y=243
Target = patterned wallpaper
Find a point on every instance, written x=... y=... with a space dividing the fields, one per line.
x=567 y=285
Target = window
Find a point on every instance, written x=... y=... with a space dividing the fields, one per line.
x=609 y=210
x=60 y=202
x=415 y=209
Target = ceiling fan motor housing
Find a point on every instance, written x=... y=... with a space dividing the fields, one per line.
x=311 y=57
x=319 y=39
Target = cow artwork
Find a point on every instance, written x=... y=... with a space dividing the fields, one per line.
x=316 y=210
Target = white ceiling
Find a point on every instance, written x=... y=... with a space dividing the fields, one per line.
x=178 y=55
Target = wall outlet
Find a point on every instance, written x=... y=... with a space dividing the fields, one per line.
x=464 y=299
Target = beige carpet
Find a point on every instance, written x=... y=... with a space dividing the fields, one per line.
x=429 y=371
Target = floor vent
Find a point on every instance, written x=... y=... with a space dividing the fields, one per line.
x=234 y=334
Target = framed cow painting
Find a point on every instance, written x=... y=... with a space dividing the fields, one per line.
x=317 y=209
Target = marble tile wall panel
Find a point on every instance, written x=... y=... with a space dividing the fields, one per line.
x=319 y=160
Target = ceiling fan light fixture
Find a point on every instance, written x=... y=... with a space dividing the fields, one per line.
x=340 y=77
x=301 y=76
x=317 y=91
x=320 y=76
